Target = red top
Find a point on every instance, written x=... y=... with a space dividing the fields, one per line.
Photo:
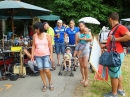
x=121 y=30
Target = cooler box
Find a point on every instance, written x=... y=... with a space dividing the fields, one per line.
x=16 y=69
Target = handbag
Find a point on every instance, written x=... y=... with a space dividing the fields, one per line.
x=112 y=58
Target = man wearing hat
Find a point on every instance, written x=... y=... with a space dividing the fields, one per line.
x=60 y=37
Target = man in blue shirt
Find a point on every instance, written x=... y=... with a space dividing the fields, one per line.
x=71 y=32
x=60 y=37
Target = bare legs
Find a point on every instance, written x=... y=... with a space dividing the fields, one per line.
x=52 y=61
x=120 y=83
x=75 y=53
x=84 y=70
x=69 y=65
x=116 y=84
x=65 y=63
x=58 y=58
x=48 y=74
x=42 y=74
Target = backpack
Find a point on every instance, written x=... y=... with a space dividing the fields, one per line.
x=124 y=44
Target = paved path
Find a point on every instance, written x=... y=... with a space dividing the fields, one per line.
x=31 y=86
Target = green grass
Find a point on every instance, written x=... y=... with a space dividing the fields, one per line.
x=98 y=88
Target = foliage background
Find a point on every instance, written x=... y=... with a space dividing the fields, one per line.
x=76 y=9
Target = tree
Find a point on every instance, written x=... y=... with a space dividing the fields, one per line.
x=76 y=9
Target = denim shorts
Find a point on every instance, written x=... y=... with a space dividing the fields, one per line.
x=60 y=48
x=80 y=46
x=116 y=75
x=43 y=62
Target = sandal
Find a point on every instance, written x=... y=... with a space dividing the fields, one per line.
x=51 y=69
x=44 y=88
x=51 y=87
x=82 y=81
x=54 y=68
x=85 y=84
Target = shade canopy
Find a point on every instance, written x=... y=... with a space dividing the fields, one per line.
x=49 y=17
x=18 y=8
x=126 y=20
x=46 y=17
x=90 y=20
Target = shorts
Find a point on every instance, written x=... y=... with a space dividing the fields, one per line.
x=80 y=46
x=60 y=48
x=43 y=62
x=116 y=75
x=86 y=51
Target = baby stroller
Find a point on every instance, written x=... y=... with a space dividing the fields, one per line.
x=73 y=64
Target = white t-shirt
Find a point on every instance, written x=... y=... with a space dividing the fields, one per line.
x=68 y=56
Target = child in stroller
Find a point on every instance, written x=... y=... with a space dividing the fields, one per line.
x=67 y=59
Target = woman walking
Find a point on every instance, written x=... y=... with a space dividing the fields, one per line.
x=42 y=46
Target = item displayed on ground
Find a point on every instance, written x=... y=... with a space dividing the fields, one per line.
x=102 y=37
x=16 y=69
x=13 y=77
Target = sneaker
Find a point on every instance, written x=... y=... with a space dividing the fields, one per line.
x=69 y=69
x=65 y=69
x=110 y=94
x=51 y=87
x=122 y=93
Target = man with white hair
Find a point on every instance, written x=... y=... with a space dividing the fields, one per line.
x=60 y=38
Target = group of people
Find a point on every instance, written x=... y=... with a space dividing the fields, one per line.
x=46 y=37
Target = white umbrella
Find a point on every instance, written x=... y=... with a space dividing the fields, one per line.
x=89 y=20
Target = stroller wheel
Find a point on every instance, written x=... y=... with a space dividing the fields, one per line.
x=74 y=69
x=72 y=74
x=60 y=74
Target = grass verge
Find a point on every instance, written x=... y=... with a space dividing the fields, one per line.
x=98 y=88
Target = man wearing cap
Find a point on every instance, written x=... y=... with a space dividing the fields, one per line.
x=60 y=37
x=50 y=31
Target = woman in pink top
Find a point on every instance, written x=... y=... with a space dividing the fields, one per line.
x=42 y=46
